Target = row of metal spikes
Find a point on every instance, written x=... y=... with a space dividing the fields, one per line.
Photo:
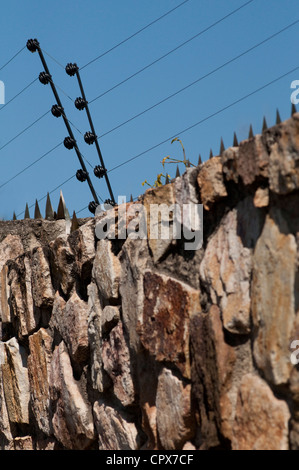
x=61 y=213
x=235 y=142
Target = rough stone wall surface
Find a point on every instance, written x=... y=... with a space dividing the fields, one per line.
x=140 y=344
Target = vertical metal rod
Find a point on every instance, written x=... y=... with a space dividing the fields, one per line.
x=94 y=194
x=93 y=131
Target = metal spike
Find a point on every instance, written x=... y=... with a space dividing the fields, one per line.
x=278 y=120
x=235 y=143
x=62 y=212
x=294 y=110
x=250 y=136
x=222 y=148
x=49 y=209
x=37 y=213
x=188 y=163
x=211 y=154
x=199 y=160
x=75 y=223
x=14 y=217
x=166 y=179
x=177 y=175
x=265 y=127
x=131 y=198
x=27 y=215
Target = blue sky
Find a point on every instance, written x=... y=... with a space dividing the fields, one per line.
x=77 y=31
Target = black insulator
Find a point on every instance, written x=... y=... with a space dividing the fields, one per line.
x=80 y=103
x=32 y=45
x=99 y=171
x=92 y=206
x=71 y=69
x=56 y=110
x=109 y=202
x=69 y=143
x=81 y=175
x=89 y=138
x=44 y=78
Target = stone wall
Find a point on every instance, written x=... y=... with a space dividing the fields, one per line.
x=140 y=344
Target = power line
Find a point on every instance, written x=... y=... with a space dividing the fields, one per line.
x=18 y=94
x=205 y=119
x=29 y=166
x=12 y=58
x=24 y=130
x=53 y=58
x=171 y=51
x=199 y=79
x=133 y=35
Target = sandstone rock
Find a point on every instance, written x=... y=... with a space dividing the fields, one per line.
x=211 y=183
x=15 y=382
x=39 y=360
x=212 y=375
x=42 y=290
x=261 y=197
x=64 y=264
x=133 y=257
x=226 y=270
x=23 y=443
x=5 y=314
x=175 y=420
x=21 y=299
x=284 y=158
x=229 y=160
x=253 y=160
x=261 y=421
x=273 y=301
x=116 y=431
x=10 y=248
x=159 y=237
x=185 y=187
x=106 y=270
x=72 y=416
x=71 y=320
x=5 y=431
x=95 y=336
x=116 y=362
x=110 y=317
x=164 y=328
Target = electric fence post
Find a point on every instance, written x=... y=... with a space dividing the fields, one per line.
x=57 y=110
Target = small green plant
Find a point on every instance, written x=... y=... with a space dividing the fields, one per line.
x=165 y=160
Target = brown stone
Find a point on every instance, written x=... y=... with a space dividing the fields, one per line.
x=116 y=430
x=284 y=158
x=116 y=362
x=71 y=320
x=164 y=329
x=261 y=421
x=15 y=382
x=212 y=376
x=273 y=299
x=39 y=360
x=226 y=269
x=253 y=160
x=153 y=201
x=42 y=289
x=211 y=183
x=106 y=270
x=175 y=420
x=95 y=336
x=72 y=416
